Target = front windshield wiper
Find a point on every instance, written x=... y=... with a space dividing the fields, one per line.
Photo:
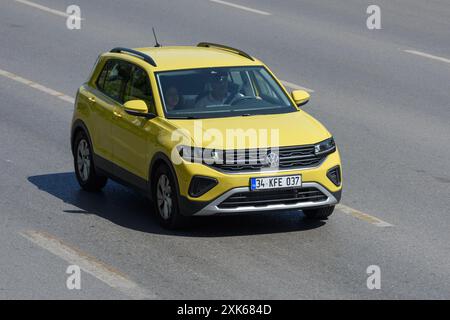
x=182 y=117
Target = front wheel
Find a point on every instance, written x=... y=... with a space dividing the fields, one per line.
x=165 y=198
x=319 y=213
x=84 y=165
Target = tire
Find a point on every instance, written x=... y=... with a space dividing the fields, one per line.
x=319 y=213
x=165 y=199
x=84 y=165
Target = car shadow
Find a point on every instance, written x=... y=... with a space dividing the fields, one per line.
x=129 y=209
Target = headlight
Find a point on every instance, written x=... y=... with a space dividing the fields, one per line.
x=325 y=147
x=200 y=155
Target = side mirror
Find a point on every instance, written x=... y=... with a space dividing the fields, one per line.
x=138 y=108
x=300 y=97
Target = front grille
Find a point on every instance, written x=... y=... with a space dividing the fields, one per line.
x=294 y=157
x=272 y=197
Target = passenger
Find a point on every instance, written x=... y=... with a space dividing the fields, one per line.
x=172 y=98
x=219 y=91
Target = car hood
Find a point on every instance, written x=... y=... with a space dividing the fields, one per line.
x=295 y=128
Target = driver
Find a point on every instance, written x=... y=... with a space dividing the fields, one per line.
x=219 y=94
x=172 y=98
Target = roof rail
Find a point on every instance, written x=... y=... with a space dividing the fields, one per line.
x=221 y=46
x=138 y=54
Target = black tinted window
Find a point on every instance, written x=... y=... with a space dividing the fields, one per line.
x=117 y=75
x=138 y=88
x=102 y=76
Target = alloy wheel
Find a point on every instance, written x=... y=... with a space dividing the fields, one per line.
x=164 y=197
x=83 y=160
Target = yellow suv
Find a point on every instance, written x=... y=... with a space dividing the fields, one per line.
x=202 y=130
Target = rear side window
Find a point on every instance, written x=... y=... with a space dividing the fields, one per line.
x=101 y=78
x=113 y=79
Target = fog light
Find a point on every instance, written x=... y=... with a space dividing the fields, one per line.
x=334 y=174
x=200 y=185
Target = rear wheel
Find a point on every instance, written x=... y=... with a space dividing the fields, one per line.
x=84 y=165
x=319 y=213
x=165 y=198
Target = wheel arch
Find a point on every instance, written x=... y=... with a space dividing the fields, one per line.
x=78 y=126
x=161 y=159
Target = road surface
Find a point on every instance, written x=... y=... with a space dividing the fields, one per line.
x=384 y=94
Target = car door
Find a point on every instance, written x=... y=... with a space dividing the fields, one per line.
x=130 y=133
x=104 y=99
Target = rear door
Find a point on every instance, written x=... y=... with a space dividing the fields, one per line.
x=106 y=97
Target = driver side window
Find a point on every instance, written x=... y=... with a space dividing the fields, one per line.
x=138 y=88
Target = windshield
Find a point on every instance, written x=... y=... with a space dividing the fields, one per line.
x=221 y=92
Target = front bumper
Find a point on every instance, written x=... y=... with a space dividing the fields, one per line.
x=214 y=207
x=231 y=184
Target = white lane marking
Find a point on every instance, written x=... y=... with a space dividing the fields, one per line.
x=44 y=8
x=295 y=86
x=363 y=216
x=427 y=55
x=37 y=86
x=264 y=13
x=89 y=264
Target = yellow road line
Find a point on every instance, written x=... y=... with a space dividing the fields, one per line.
x=363 y=216
x=88 y=264
x=37 y=86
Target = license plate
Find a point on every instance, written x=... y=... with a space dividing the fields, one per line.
x=275 y=182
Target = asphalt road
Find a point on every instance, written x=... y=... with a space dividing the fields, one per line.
x=384 y=94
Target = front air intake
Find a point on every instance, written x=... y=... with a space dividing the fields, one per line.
x=200 y=185
x=334 y=174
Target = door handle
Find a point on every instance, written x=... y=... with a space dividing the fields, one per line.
x=117 y=114
x=91 y=99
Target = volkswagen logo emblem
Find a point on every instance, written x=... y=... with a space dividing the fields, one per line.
x=272 y=159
